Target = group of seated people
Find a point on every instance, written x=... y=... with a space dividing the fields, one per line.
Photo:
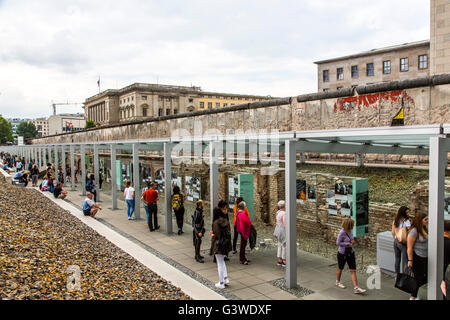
x=48 y=185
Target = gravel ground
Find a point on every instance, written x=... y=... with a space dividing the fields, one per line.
x=39 y=242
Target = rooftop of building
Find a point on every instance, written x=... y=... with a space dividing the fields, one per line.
x=163 y=88
x=404 y=46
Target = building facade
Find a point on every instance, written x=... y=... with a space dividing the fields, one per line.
x=63 y=123
x=41 y=125
x=401 y=62
x=440 y=37
x=15 y=123
x=144 y=101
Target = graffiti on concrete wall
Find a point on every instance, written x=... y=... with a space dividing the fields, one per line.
x=373 y=100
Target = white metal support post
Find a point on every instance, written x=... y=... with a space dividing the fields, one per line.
x=113 y=176
x=72 y=166
x=213 y=178
x=44 y=150
x=168 y=185
x=96 y=172
x=50 y=154
x=63 y=163
x=291 y=214
x=56 y=158
x=136 y=182
x=438 y=164
x=83 y=169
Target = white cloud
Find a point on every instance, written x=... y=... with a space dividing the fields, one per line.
x=55 y=50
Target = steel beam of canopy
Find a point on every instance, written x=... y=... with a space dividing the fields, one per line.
x=72 y=166
x=136 y=182
x=83 y=169
x=438 y=163
x=213 y=178
x=291 y=214
x=168 y=185
x=63 y=163
x=96 y=172
x=113 y=176
x=344 y=148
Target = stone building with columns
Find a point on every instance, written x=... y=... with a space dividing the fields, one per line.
x=143 y=101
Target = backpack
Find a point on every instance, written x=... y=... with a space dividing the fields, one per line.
x=176 y=202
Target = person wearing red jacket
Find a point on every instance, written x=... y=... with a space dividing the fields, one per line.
x=243 y=226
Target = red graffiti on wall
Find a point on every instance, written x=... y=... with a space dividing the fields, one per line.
x=372 y=100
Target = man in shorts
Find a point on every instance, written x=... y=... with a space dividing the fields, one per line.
x=90 y=208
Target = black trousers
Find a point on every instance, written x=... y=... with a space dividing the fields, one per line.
x=179 y=214
x=153 y=211
x=235 y=237
x=242 y=257
x=420 y=269
x=197 y=244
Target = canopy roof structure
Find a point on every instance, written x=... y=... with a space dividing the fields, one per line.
x=430 y=140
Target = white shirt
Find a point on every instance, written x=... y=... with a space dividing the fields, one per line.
x=129 y=193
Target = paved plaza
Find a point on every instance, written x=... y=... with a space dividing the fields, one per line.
x=252 y=282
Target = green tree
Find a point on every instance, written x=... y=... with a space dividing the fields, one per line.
x=27 y=130
x=5 y=131
x=89 y=124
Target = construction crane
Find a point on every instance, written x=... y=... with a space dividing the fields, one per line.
x=54 y=104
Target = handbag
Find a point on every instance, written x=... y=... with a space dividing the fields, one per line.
x=406 y=282
x=348 y=250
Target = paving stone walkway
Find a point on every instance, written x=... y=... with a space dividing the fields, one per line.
x=252 y=282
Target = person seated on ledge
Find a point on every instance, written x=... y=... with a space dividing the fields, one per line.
x=90 y=208
x=59 y=192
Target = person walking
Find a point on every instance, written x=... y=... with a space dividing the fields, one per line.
x=235 y=209
x=19 y=166
x=89 y=207
x=280 y=233
x=198 y=230
x=150 y=199
x=244 y=225
x=220 y=210
x=418 y=251
x=178 y=208
x=34 y=175
x=346 y=254
x=400 y=227
x=221 y=240
x=60 y=175
x=91 y=186
x=128 y=193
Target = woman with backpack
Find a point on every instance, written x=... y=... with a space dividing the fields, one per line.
x=243 y=226
x=178 y=208
x=346 y=254
x=34 y=175
x=400 y=227
x=221 y=244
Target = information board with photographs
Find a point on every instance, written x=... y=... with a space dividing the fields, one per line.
x=301 y=190
x=233 y=191
x=193 y=188
x=331 y=200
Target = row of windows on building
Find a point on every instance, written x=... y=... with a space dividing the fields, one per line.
x=210 y=105
x=370 y=68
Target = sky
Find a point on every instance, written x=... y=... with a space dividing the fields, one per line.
x=56 y=50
